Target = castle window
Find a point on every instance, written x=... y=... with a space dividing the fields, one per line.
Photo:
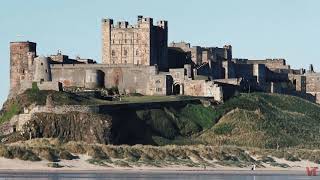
x=125 y=52
x=46 y=70
x=125 y=62
x=41 y=64
x=137 y=52
x=125 y=41
x=113 y=53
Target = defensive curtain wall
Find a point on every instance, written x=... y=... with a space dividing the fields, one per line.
x=128 y=78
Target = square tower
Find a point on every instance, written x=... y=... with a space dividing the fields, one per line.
x=140 y=44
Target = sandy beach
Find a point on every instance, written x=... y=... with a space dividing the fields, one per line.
x=82 y=166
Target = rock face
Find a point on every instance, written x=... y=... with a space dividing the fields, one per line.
x=74 y=126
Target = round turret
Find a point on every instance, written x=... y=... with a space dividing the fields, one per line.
x=42 y=71
x=19 y=64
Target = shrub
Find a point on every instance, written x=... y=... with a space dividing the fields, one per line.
x=223 y=129
x=13 y=109
x=67 y=155
x=54 y=165
x=121 y=163
x=99 y=162
x=290 y=157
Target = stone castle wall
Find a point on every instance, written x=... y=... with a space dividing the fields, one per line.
x=142 y=43
x=128 y=78
x=313 y=85
x=203 y=88
x=21 y=62
x=272 y=64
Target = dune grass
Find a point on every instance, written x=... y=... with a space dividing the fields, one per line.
x=154 y=156
x=266 y=121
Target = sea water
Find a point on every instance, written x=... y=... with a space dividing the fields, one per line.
x=145 y=175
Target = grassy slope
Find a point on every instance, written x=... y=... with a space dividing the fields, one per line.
x=253 y=120
x=166 y=125
x=266 y=121
x=34 y=96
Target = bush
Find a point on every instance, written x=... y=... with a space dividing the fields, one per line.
x=67 y=155
x=290 y=157
x=267 y=159
x=223 y=129
x=54 y=165
x=4 y=152
x=49 y=154
x=13 y=109
x=97 y=153
x=121 y=163
x=22 y=153
x=99 y=162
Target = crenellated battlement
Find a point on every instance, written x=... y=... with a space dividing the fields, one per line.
x=142 y=22
x=142 y=43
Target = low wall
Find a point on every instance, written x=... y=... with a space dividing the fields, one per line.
x=203 y=88
x=65 y=109
x=56 y=86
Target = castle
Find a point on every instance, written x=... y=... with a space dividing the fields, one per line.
x=137 y=59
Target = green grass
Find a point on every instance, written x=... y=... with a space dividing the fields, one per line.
x=158 y=156
x=251 y=120
x=266 y=121
x=202 y=116
x=12 y=110
x=140 y=99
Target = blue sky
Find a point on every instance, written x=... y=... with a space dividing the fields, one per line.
x=256 y=29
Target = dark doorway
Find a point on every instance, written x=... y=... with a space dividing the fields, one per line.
x=101 y=80
x=176 y=89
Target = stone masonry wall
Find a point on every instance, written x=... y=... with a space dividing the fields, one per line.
x=20 y=64
x=142 y=43
x=203 y=88
x=128 y=78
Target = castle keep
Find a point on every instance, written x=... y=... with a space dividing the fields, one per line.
x=137 y=59
x=142 y=43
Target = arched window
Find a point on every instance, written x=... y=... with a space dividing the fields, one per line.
x=113 y=53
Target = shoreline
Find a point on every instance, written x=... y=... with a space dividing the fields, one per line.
x=225 y=171
x=81 y=166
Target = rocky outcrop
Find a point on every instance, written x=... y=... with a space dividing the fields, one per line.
x=74 y=126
